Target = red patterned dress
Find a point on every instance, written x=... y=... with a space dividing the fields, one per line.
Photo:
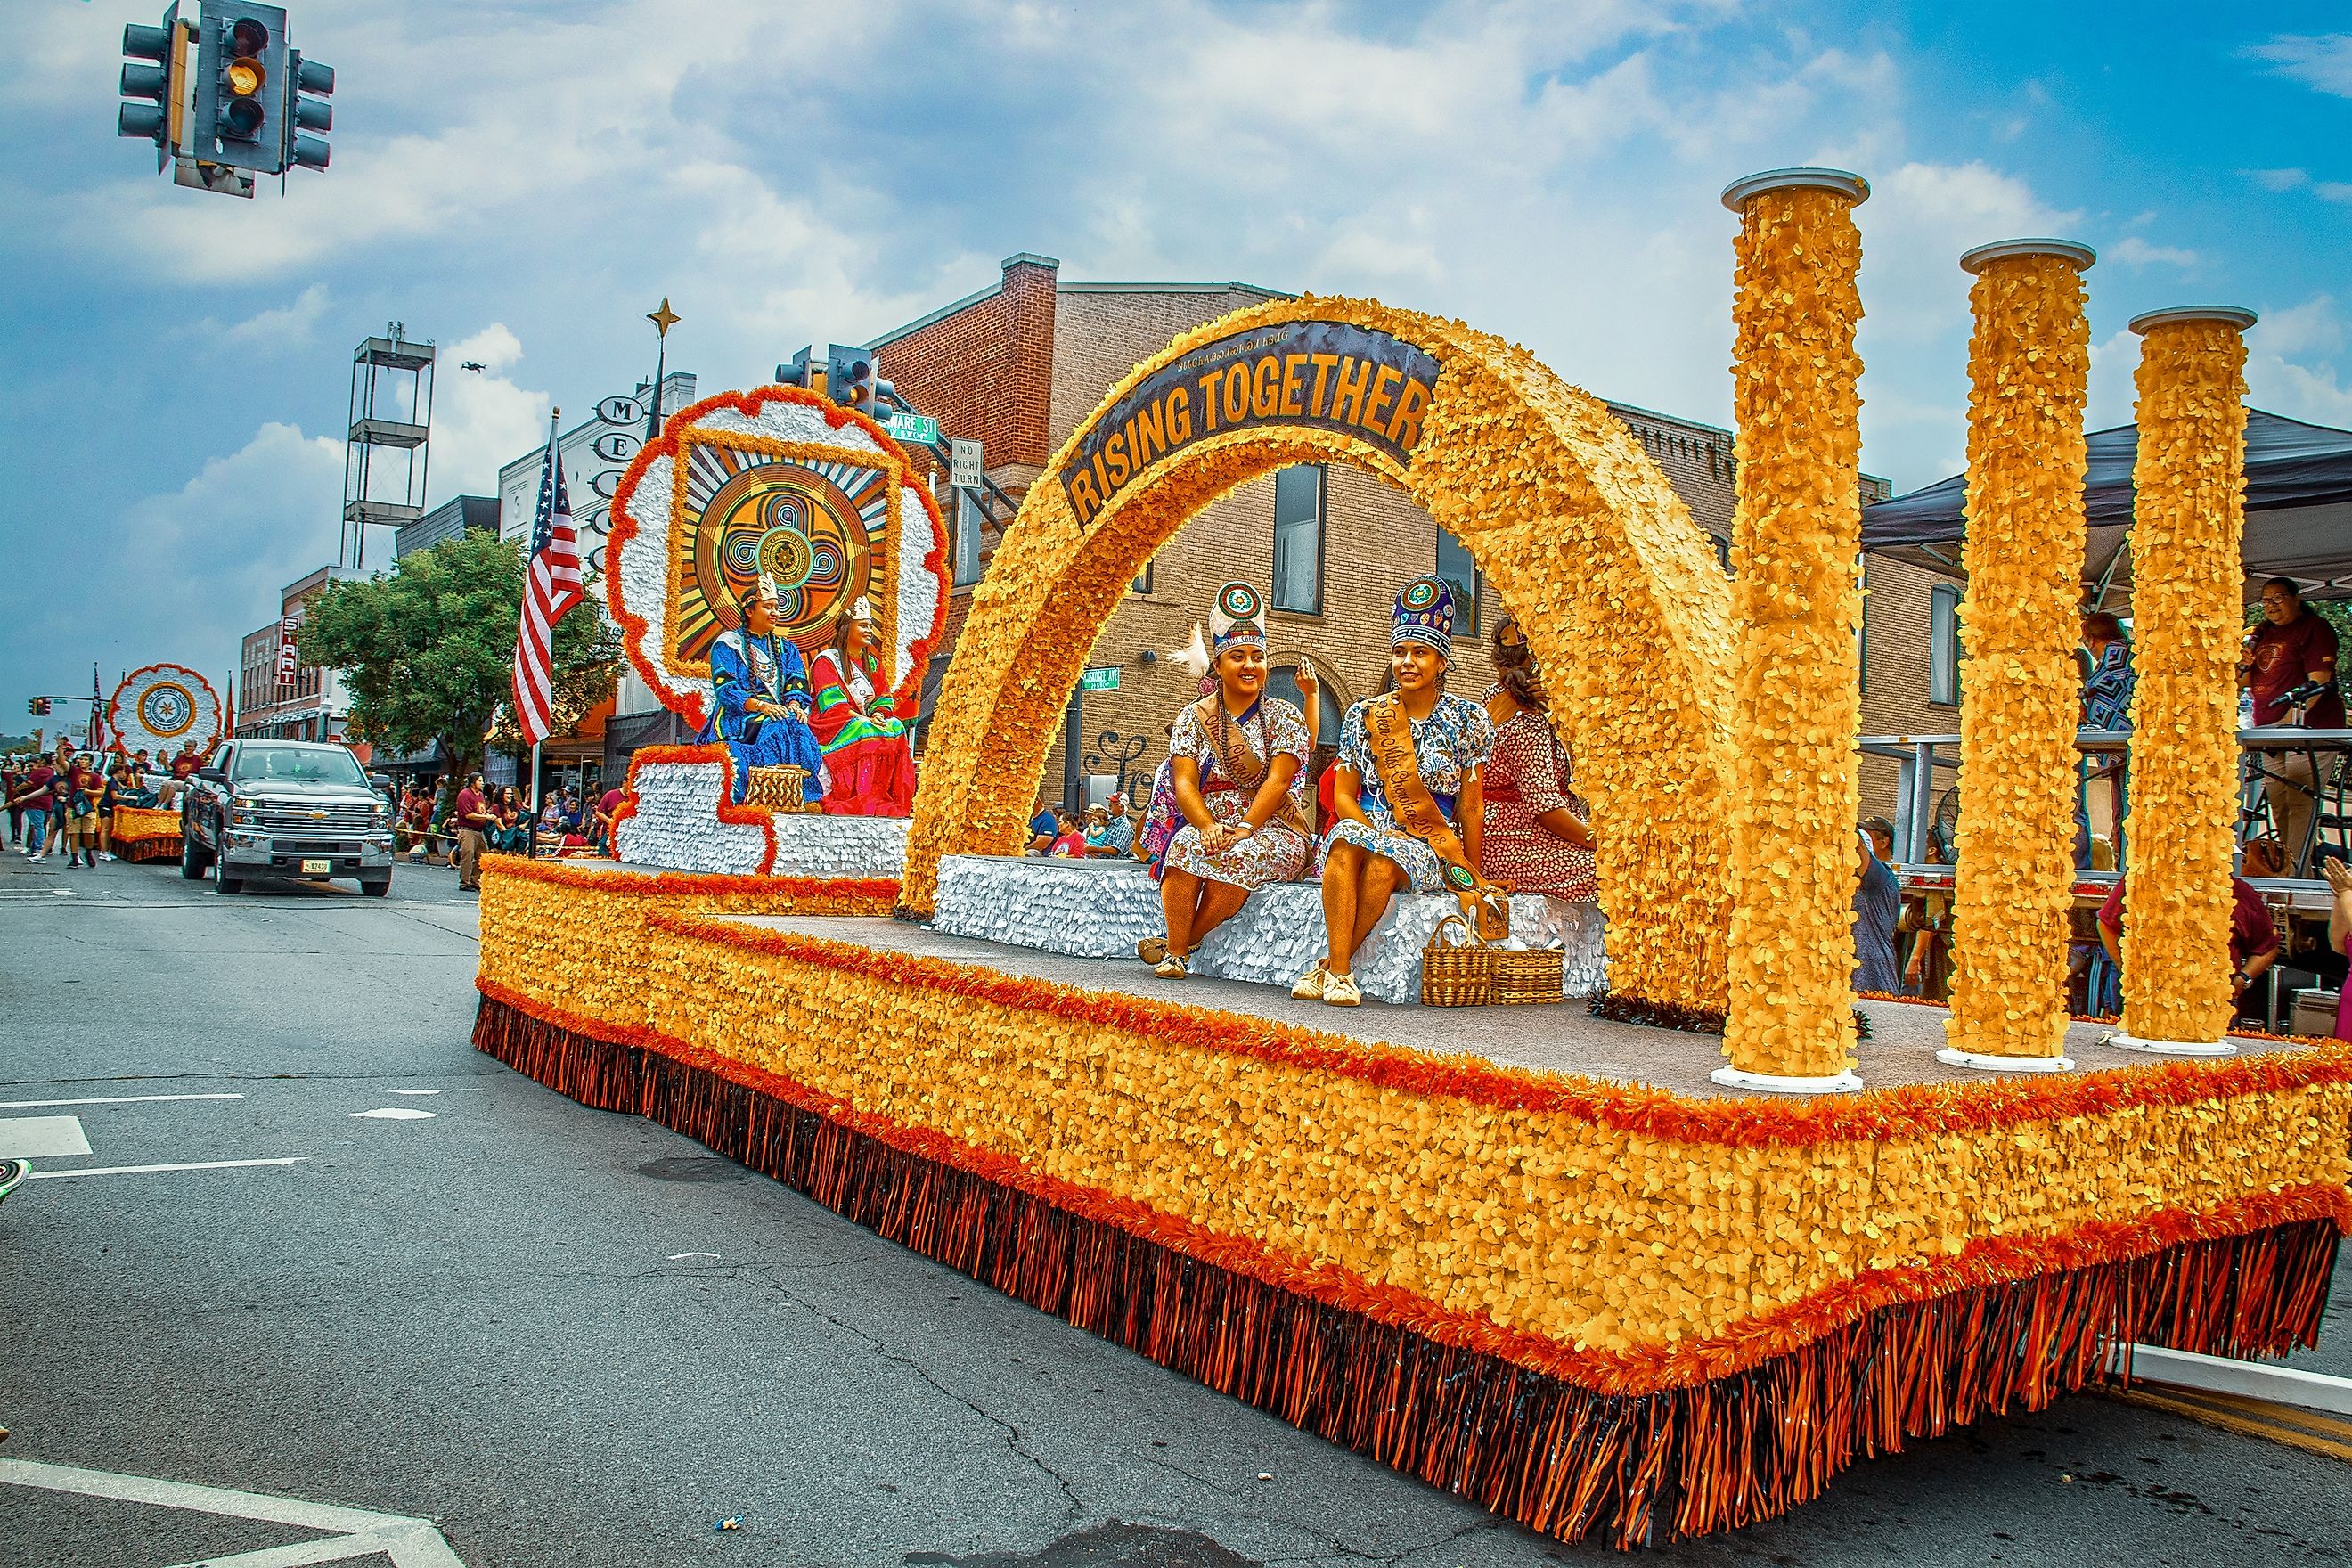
x=1527 y=775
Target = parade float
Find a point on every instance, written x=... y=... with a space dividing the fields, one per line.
x=775 y=485
x=163 y=710
x=1657 y=1267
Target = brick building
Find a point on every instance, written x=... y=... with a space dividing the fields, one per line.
x=1020 y=364
x=313 y=705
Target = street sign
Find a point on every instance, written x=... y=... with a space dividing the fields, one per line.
x=920 y=430
x=963 y=463
x=1103 y=677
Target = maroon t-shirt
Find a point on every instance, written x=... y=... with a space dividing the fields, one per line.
x=2251 y=932
x=2284 y=658
x=610 y=804
x=469 y=812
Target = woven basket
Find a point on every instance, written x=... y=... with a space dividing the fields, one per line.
x=778 y=789
x=1529 y=979
x=1458 y=974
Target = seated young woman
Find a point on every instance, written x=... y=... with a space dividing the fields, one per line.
x=1538 y=838
x=856 y=723
x=1235 y=762
x=1407 y=806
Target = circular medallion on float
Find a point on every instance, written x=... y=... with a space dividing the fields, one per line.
x=780 y=483
x=164 y=707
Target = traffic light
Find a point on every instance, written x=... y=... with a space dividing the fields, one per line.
x=243 y=86
x=797 y=372
x=307 y=82
x=849 y=379
x=152 y=82
x=38 y=706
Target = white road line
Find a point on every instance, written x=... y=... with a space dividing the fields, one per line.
x=137 y=1170
x=110 y=1100
x=409 y=1543
x=393 y=1113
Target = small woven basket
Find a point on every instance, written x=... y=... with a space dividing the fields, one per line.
x=784 y=788
x=1529 y=979
x=1458 y=974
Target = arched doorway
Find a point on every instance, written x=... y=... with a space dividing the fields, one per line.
x=1580 y=533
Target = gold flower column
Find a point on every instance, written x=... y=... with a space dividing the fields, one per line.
x=2028 y=378
x=1797 y=608
x=2187 y=521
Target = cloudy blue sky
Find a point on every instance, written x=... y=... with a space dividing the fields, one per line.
x=521 y=182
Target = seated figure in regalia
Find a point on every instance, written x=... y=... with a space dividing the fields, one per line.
x=856 y=722
x=761 y=690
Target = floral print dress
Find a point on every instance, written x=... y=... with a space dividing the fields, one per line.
x=1527 y=776
x=1450 y=745
x=1277 y=852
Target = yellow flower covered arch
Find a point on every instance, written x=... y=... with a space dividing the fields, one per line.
x=1583 y=539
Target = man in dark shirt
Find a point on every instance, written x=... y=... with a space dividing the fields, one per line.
x=473 y=819
x=2292 y=646
x=2253 y=940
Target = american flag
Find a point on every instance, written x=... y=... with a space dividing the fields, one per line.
x=552 y=588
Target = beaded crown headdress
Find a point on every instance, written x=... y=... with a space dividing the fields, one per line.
x=1424 y=614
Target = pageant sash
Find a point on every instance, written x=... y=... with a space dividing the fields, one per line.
x=1245 y=767
x=1388 y=732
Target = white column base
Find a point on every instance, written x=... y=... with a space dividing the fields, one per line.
x=1953 y=1057
x=2124 y=1042
x=1846 y=1082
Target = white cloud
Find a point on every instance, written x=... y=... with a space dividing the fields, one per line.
x=2280 y=179
x=2134 y=251
x=282 y=327
x=2321 y=61
x=2333 y=191
x=2286 y=370
x=192 y=569
x=481 y=419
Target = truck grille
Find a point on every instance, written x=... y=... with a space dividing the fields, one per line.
x=338 y=817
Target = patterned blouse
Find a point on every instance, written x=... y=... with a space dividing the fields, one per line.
x=1283 y=725
x=1454 y=741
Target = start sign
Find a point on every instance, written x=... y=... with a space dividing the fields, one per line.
x=1330 y=375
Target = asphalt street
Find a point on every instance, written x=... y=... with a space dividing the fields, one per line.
x=567 y=1337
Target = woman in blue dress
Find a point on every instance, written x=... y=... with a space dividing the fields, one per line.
x=1389 y=835
x=761 y=686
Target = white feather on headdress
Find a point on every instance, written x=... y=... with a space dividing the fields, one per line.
x=1194 y=656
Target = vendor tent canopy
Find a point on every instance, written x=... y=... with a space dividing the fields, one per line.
x=2298 y=511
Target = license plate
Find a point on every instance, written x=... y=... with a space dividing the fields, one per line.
x=317 y=868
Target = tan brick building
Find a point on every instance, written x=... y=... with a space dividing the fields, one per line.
x=1019 y=366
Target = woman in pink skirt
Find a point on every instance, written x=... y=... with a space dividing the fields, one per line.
x=1537 y=839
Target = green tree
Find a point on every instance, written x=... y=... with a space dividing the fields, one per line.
x=427 y=651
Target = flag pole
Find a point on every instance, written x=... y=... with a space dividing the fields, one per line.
x=555 y=425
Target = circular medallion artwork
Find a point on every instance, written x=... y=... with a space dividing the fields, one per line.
x=781 y=483
x=163 y=707
x=792 y=523
x=1420 y=595
x=1239 y=601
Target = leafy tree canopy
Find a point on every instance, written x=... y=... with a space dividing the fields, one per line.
x=427 y=650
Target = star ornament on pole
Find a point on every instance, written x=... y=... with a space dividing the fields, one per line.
x=662 y=319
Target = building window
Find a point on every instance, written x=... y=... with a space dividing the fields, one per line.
x=969 y=517
x=1298 y=539
x=1459 y=573
x=1944 y=645
x=1142 y=584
